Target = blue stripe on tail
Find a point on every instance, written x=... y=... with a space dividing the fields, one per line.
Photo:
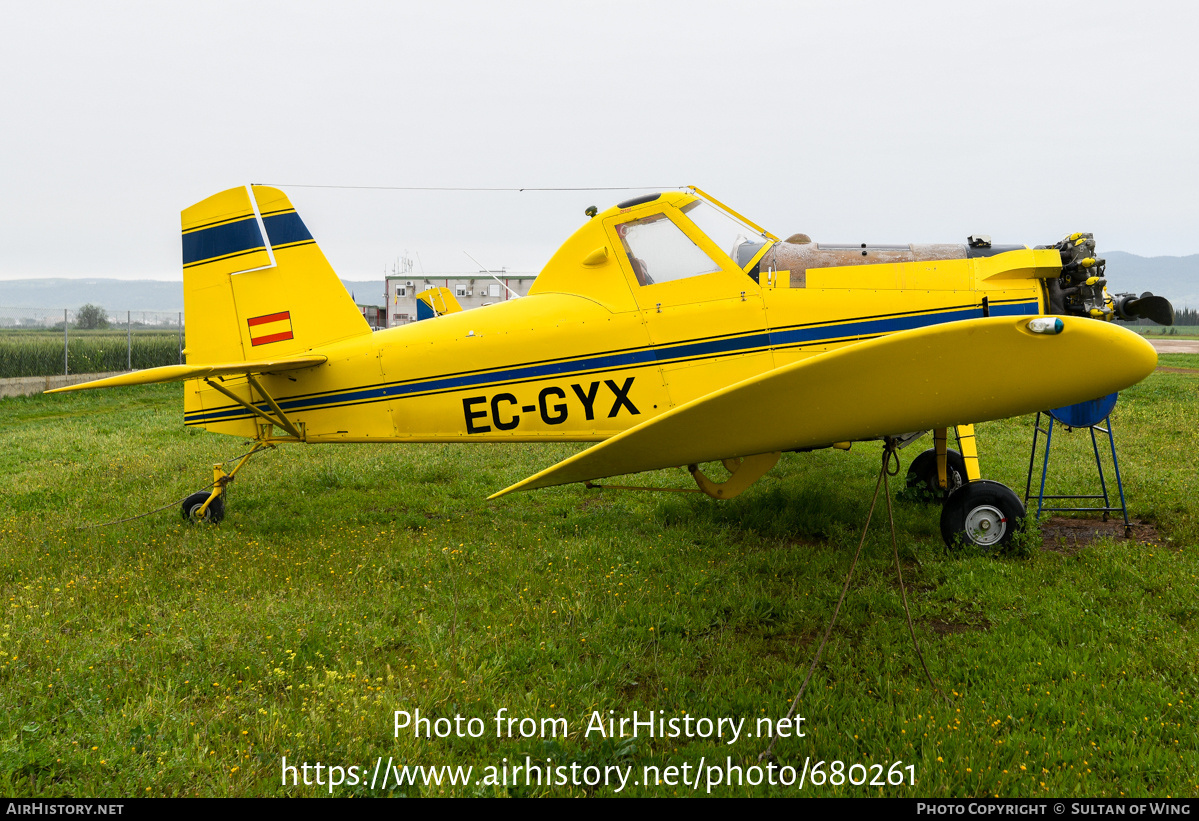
x=221 y=240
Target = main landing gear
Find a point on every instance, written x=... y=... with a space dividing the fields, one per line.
x=976 y=513
x=922 y=478
x=982 y=515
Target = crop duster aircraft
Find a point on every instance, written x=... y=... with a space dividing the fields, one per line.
x=668 y=329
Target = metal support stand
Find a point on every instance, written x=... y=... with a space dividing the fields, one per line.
x=1105 y=428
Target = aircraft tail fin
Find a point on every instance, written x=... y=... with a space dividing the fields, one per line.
x=438 y=301
x=255 y=283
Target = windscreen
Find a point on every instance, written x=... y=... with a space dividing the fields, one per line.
x=740 y=241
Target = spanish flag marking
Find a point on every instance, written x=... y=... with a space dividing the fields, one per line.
x=270 y=328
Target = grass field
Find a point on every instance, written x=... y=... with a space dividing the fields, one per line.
x=39 y=353
x=1171 y=332
x=346 y=583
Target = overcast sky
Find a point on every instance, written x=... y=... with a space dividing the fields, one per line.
x=852 y=122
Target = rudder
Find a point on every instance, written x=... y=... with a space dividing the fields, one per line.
x=246 y=299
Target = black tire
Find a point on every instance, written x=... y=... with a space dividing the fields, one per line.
x=922 y=475
x=982 y=516
x=215 y=512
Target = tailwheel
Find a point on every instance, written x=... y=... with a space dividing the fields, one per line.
x=194 y=509
x=922 y=475
x=981 y=515
x=213 y=514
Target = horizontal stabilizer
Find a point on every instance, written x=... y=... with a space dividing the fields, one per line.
x=934 y=377
x=180 y=373
x=437 y=301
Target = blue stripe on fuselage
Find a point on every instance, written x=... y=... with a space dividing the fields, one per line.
x=788 y=337
x=874 y=327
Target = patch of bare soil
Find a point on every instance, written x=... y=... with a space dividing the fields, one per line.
x=1175 y=345
x=1065 y=535
x=589 y=502
x=1164 y=369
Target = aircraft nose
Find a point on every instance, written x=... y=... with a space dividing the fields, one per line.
x=1126 y=356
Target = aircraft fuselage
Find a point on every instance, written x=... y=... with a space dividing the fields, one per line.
x=599 y=346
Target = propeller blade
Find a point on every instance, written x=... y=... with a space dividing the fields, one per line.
x=1155 y=308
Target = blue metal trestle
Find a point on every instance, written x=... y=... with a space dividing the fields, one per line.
x=1094 y=416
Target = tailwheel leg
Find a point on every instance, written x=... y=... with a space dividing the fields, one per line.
x=205 y=506
x=209 y=505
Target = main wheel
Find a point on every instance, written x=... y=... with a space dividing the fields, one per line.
x=214 y=513
x=922 y=474
x=982 y=515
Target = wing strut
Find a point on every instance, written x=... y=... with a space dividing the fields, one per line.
x=279 y=419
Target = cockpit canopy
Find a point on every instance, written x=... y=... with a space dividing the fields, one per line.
x=656 y=239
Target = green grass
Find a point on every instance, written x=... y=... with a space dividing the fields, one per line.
x=1172 y=331
x=154 y=658
x=38 y=353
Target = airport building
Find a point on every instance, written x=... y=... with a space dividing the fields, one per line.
x=472 y=290
x=375 y=315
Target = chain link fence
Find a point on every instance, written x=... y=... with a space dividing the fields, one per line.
x=51 y=341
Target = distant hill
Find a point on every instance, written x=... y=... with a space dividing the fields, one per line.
x=110 y=294
x=365 y=292
x=1176 y=278
x=117 y=295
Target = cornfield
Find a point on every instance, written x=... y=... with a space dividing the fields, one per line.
x=39 y=353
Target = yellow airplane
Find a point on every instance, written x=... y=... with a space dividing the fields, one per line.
x=669 y=329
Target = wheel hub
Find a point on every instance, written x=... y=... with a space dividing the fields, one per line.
x=985 y=525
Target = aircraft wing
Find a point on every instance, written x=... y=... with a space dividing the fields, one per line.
x=179 y=373
x=955 y=373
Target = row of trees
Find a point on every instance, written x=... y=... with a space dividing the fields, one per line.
x=92 y=318
x=1182 y=316
x=1186 y=316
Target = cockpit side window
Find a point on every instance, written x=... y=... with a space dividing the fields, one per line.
x=659 y=251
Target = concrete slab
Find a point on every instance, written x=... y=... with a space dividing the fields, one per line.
x=29 y=385
x=1175 y=345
